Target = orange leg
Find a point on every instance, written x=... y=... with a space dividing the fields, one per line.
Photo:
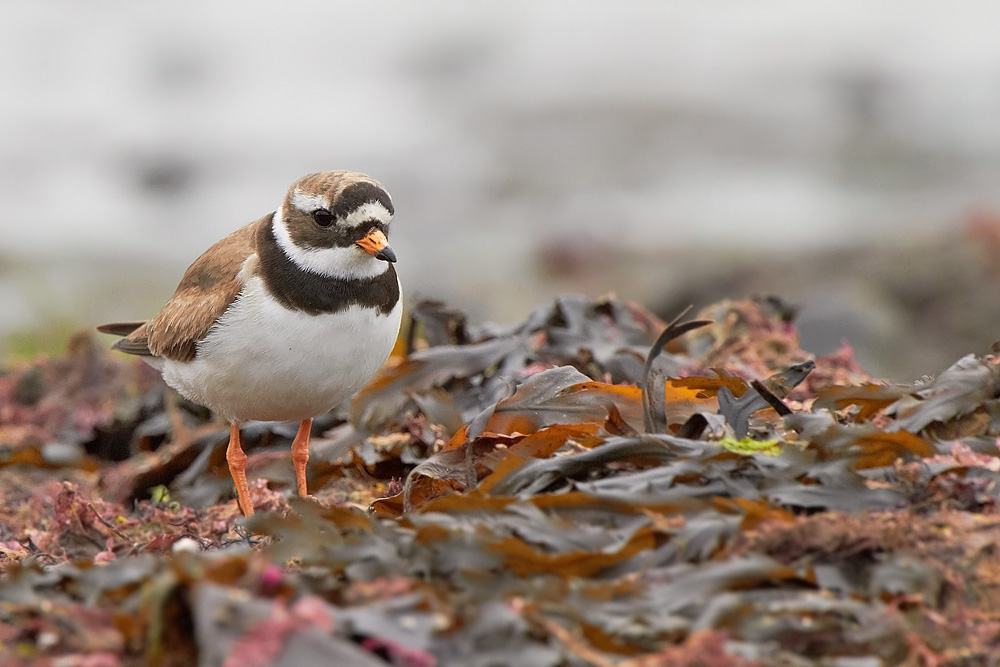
x=300 y=454
x=237 y=460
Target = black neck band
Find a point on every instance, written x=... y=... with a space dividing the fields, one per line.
x=298 y=289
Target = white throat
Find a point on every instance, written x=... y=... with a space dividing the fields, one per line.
x=349 y=262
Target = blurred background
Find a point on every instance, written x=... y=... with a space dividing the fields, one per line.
x=844 y=156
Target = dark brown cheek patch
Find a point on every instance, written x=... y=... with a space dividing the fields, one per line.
x=306 y=233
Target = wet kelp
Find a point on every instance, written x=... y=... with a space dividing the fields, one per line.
x=590 y=486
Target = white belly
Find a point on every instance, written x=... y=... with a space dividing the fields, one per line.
x=262 y=361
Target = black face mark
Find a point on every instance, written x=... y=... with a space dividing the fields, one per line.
x=323 y=217
x=357 y=194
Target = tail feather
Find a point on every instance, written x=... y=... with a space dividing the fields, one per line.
x=138 y=345
x=120 y=328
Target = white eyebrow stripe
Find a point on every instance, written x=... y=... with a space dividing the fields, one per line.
x=307 y=203
x=372 y=210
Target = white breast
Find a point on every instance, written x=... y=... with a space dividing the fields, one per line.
x=262 y=361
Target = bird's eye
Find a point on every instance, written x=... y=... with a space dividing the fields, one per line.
x=322 y=217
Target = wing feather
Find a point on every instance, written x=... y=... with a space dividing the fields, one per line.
x=208 y=288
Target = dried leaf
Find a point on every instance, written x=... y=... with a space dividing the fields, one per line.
x=881 y=449
x=957 y=391
x=653 y=385
x=872 y=399
x=381 y=400
x=704 y=387
x=523 y=560
x=748 y=446
x=558 y=396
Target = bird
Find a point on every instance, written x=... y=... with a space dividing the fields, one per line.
x=284 y=318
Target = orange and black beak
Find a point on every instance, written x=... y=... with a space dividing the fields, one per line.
x=377 y=245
